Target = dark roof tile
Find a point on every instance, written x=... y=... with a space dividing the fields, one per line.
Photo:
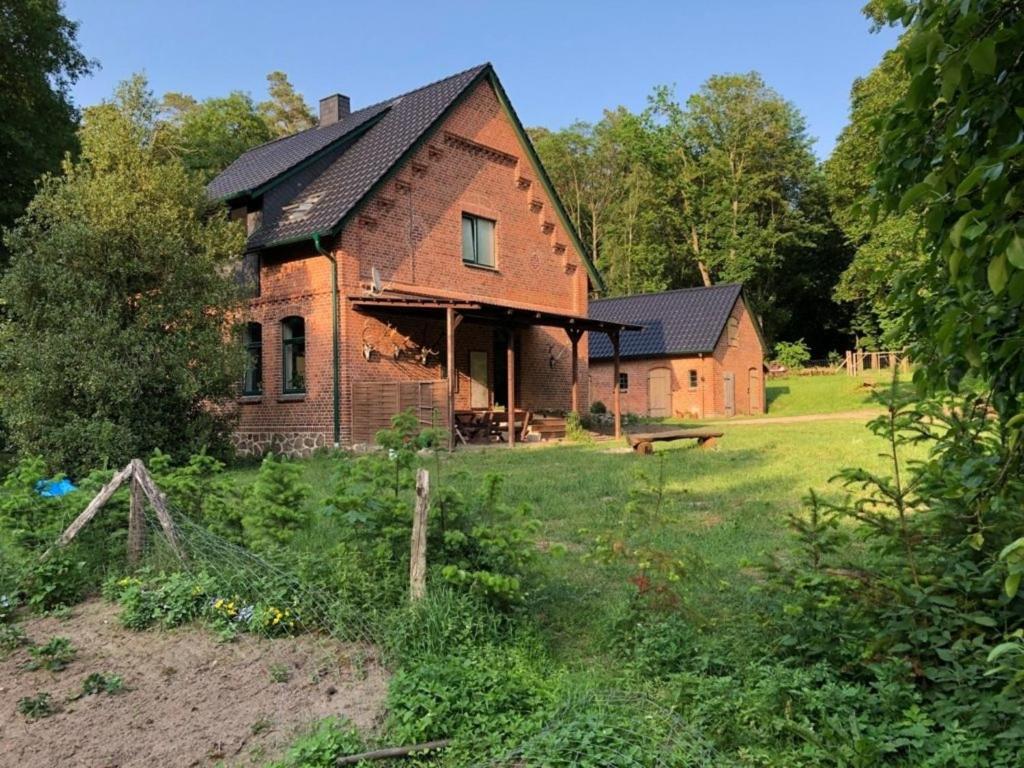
x=315 y=198
x=683 y=322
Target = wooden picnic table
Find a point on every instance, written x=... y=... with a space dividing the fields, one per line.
x=643 y=442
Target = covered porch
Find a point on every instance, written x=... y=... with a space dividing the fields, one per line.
x=495 y=400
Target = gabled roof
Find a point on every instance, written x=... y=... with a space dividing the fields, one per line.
x=311 y=182
x=688 y=321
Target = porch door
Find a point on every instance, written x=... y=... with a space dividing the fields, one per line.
x=659 y=393
x=729 y=381
x=479 y=391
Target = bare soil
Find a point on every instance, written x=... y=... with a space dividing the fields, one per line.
x=189 y=699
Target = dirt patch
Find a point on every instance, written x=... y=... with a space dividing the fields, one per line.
x=190 y=700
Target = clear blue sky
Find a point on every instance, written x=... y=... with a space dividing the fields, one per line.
x=559 y=61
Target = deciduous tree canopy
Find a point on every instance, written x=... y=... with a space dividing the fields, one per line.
x=39 y=61
x=117 y=293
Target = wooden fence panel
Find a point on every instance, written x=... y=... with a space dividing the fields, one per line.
x=375 y=402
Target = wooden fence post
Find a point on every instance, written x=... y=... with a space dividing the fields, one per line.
x=136 y=523
x=418 y=555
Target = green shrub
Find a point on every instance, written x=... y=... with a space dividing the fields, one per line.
x=444 y=621
x=53 y=656
x=486 y=697
x=328 y=740
x=792 y=354
x=36 y=707
x=574 y=428
x=99 y=682
x=598 y=407
x=275 y=507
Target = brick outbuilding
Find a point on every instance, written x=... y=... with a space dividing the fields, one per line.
x=410 y=254
x=700 y=354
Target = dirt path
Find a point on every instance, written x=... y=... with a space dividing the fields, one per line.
x=863 y=414
x=189 y=700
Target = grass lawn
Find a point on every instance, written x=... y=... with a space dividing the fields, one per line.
x=802 y=395
x=722 y=510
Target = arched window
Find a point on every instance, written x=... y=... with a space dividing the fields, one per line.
x=293 y=359
x=252 y=337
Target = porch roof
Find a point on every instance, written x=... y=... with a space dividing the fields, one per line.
x=486 y=312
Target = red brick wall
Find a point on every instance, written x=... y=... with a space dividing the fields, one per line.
x=708 y=399
x=411 y=231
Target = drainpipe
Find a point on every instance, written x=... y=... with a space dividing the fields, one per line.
x=334 y=336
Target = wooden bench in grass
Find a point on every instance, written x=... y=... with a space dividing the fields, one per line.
x=643 y=442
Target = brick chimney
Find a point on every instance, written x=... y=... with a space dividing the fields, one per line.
x=334 y=108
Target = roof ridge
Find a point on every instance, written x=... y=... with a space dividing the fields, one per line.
x=673 y=290
x=466 y=71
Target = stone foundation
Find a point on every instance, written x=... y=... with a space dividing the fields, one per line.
x=289 y=444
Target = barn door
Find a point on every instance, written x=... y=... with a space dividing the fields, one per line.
x=753 y=391
x=479 y=391
x=729 y=381
x=659 y=393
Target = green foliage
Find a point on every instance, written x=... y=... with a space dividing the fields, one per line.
x=53 y=656
x=328 y=740
x=574 y=429
x=484 y=696
x=952 y=149
x=114 y=270
x=885 y=244
x=40 y=61
x=444 y=621
x=12 y=637
x=285 y=112
x=275 y=508
x=202 y=490
x=792 y=354
x=598 y=407
x=208 y=136
x=928 y=607
x=722 y=188
x=36 y=707
x=101 y=682
x=475 y=541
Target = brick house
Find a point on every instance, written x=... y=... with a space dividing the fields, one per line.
x=700 y=353
x=410 y=254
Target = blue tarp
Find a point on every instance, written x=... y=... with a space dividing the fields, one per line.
x=51 y=489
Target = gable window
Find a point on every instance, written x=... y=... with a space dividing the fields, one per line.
x=252 y=338
x=694 y=379
x=733 y=331
x=477 y=241
x=293 y=348
x=624 y=382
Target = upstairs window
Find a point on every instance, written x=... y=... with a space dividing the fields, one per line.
x=293 y=364
x=252 y=337
x=477 y=241
x=694 y=379
x=733 y=331
x=624 y=382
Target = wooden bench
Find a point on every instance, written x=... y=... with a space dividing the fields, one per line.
x=643 y=442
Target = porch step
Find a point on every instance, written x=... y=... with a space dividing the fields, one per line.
x=548 y=427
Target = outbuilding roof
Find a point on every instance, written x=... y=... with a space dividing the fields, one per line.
x=687 y=321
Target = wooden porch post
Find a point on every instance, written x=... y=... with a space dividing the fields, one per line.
x=574 y=337
x=450 y=324
x=614 y=336
x=511 y=352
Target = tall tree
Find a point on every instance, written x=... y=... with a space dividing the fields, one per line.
x=209 y=135
x=117 y=293
x=39 y=62
x=884 y=244
x=285 y=112
x=747 y=186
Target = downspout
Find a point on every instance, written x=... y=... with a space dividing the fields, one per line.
x=334 y=336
